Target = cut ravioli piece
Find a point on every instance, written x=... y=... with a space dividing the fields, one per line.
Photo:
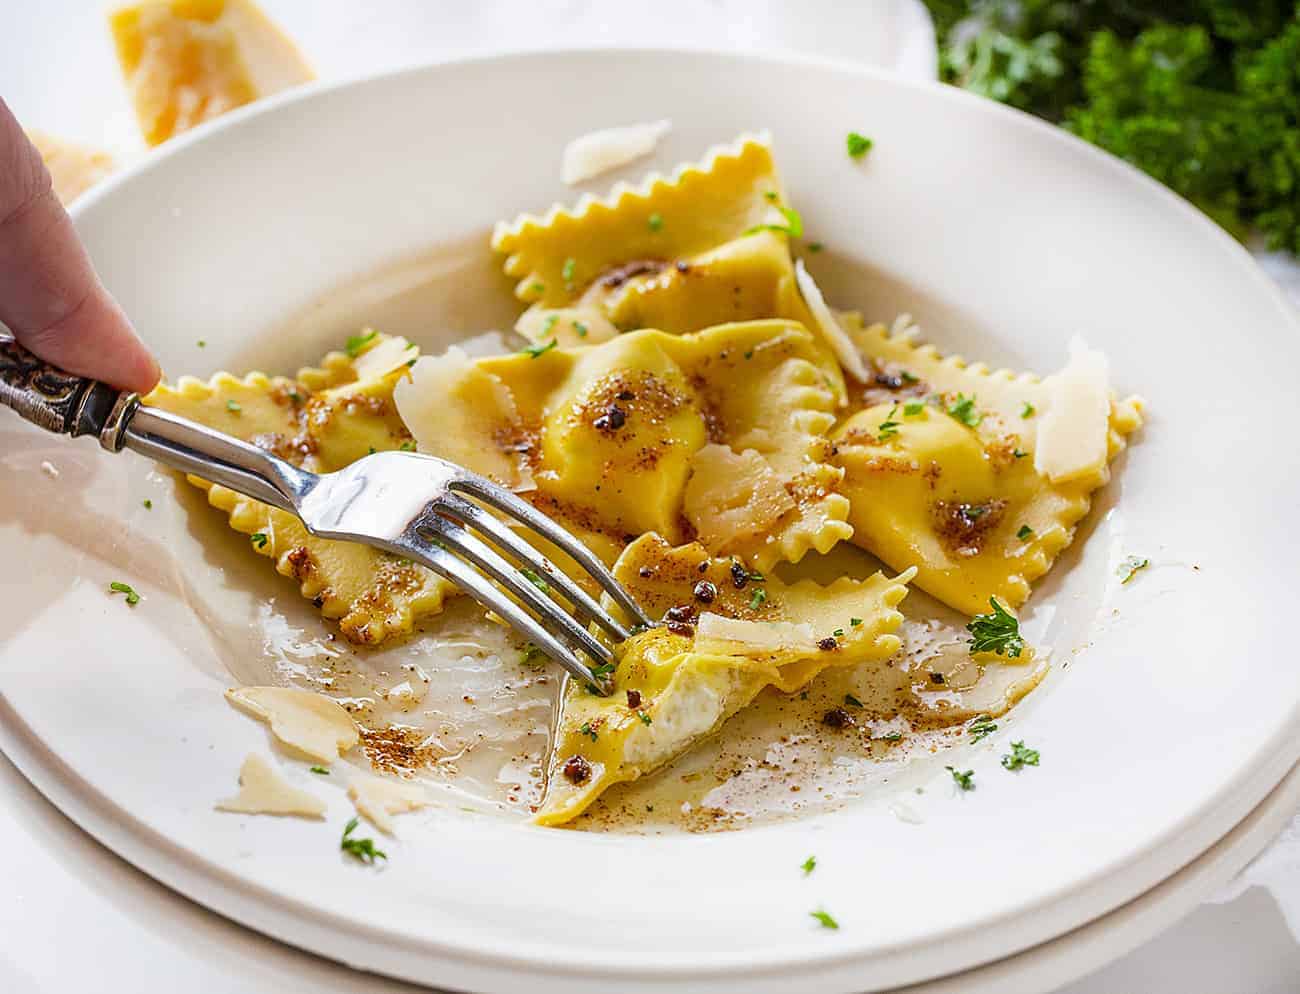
x=308 y=723
x=634 y=435
x=675 y=687
x=74 y=169
x=706 y=246
x=379 y=798
x=940 y=471
x=323 y=420
x=262 y=791
x=189 y=61
x=600 y=151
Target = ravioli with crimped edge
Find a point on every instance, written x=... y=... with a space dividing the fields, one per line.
x=729 y=633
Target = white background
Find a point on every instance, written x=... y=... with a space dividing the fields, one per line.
x=73 y=917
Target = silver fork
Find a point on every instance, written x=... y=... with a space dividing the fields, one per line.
x=416 y=506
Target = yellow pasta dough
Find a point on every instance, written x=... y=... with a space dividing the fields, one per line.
x=939 y=471
x=677 y=685
x=323 y=420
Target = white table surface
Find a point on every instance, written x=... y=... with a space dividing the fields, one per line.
x=74 y=917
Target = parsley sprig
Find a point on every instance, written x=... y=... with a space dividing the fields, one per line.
x=793 y=223
x=356 y=344
x=964 y=779
x=997 y=632
x=824 y=919
x=858 y=145
x=362 y=849
x=118 y=587
x=1019 y=757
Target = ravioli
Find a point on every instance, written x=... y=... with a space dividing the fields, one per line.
x=719 y=434
x=707 y=246
x=321 y=421
x=939 y=466
x=731 y=634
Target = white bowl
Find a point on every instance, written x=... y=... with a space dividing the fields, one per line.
x=1176 y=714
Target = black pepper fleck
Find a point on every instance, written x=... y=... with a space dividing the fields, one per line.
x=739 y=576
x=613 y=419
x=936 y=678
x=705 y=591
x=827 y=644
x=577 y=770
x=838 y=718
x=634 y=699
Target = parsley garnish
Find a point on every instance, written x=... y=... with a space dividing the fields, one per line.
x=838 y=633
x=536 y=580
x=258 y=539
x=855 y=622
x=907 y=377
x=533 y=351
x=656 y=222
x=604 y=669
x=852 y=701
x=321 y=770
x=148 y=504
x=233 y=406
x=645 y=718
x=858 y=145
x=1018 y=454
x=407 y=446
x=892 y=737
x=757 y=598
x=889 y=427
x=357 y=343
x=1028 y=411
x=824 y=919
x=587 y=730
x=580 y=328
x=815 y=246
x=531 y=652
x=362 y=849
x=117 y=587
x=1129 y=567
x=963 y=410
x=1024 y=533
x=550 y=323
x=770 y=195
x=912 y=408
x=981 y=727
x=809 y=865
x=566 y=272
x=793 y=224
x=1020 y=757
x=964 y=780
x=202 y=344
x=997 y=632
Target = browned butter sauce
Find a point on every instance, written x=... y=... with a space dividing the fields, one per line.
x=461 y=705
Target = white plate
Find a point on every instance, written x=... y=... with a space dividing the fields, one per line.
x=1173 y=719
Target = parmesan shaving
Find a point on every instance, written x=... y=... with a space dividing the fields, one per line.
x=308 y=723
x=714 y=633
x=383 y=357
x=74 y=169
x=262 y=791
x=376 y=799
x=836 y=337
x=570 y=326
x=732 y=496
x=1073 y=430
x=600 y=151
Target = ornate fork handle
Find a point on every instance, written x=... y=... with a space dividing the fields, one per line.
x=58 y=401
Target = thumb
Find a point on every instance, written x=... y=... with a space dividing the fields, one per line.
x=50 y=297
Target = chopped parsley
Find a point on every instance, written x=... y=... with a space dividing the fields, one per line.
x=824 y=919
x=148 y=504
x=550 y=323
x=533 y=351
x=566 y=272
x=356 y=344
x=892 y=737
x=997 y=632
x=535 y=578
x=1019 y=757
x=202 y=344
x=838 y=633
x=537 y=287
x=645 y=718
x=1019 y=454
x=855 y=622
x=981 y=727
x=588 y=731
x=532 y=652
x=580 y=328
x=1028 y=411
x=656 y=222
x=770 y=195
x=889 y=427
x=907 y=377
x=858 y=145
x=912 y=408
x=793 y=224
x=321 y=770
x=852 y=701
x=1129 y=567
x=808 y=865
x=233 y=406
x=118 y=587
x=815 y=246
x=757 y=598
x=604 y=669
x=258 y=539
x=407 y=446
x=963 y=779
x=362 y=849
x=1024 y=533
x=963 y=410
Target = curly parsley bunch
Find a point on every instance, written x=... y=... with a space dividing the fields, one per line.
x=1202 y=94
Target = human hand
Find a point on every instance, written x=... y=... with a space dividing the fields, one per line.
x=50 y=297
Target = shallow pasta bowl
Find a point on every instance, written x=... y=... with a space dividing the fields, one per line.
x=1171 y=710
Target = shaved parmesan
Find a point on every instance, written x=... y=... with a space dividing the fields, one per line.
x=311 y=724
x=732 y=496
x=600 y=151
x=732 y=636
x=836 y=337
x=262 y=791
x=377 y=798
x=383 y=357
x=570 y=326
x=1073 y=430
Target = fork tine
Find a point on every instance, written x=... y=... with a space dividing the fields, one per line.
x=479 y=587
x=504 y=500
x=469 y=513
x=551 y=614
